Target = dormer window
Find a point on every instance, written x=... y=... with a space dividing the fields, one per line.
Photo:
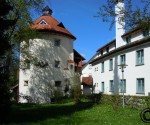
x=43 y=22
x=146 y=33
x=107 y=49
x=128 y=39
x=101 y=52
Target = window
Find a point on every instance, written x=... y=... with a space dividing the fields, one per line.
x=139 y=57
x=57 y=64
x=122 y=59
x=96 y=69
x=102 y=67
x=57 y=43
x=98 y=53
x=107 y=49
x=123 y=86
x=43 y=22
x=90 y=66
x=103 y=87
x=111 y=86
x=140 y=86
x=101 y=52
x=57 y=83
x=26 y=83
x=111 y=64
x=71 y=66
x=128 y=39
x=146 y=33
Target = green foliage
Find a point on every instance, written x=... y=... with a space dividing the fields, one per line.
x=115 y=101
x=58 y=96
x=96 y=97
x=138 y=102
x=15 y=17
x=135 y=102
x=76 y=88
x=133 y=16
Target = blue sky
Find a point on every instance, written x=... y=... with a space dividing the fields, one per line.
x=78 y=17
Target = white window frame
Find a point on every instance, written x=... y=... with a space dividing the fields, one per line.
x=139 y=82
x=123 y=86
x=140 y=60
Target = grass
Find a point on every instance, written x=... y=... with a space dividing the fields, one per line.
x=85 y=113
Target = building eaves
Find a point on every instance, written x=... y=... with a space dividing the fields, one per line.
x=77 y=55
x=131 y=31
x=127 y=46
x=111 y=42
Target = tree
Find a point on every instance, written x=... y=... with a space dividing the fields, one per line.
x=5 y=46
x=15 y=18
x=76 y=87
x=134 y=15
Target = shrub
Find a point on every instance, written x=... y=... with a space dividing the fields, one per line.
x=76 y=88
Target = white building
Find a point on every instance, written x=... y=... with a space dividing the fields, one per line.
x=47 y=63
x=131 y=48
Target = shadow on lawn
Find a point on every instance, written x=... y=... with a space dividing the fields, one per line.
x=33 y=113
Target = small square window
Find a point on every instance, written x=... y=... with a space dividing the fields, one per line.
x=128 y=39
x=26 y=83
x=57 y=83
x=71 y=66
x=57 y=64
x=146 y=33
x=57 y=43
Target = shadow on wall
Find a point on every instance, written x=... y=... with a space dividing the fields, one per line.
x=116 y=76
x=42 y=79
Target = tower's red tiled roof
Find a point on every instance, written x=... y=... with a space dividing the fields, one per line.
x=52 y=26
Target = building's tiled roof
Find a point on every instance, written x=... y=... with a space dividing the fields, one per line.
x=81 y=64
x=87 y=81
x=70 y=61
x=52 y=26
x=77 y=55
x=119 y=49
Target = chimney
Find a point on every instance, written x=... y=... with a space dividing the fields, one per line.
x=47 y=11
x=120 y=24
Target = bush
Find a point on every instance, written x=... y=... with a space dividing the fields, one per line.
x=96 y=97
x=135 y=102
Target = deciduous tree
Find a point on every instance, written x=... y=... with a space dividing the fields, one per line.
x=134 y=14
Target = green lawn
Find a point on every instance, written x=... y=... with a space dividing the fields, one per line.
x=70 y=114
